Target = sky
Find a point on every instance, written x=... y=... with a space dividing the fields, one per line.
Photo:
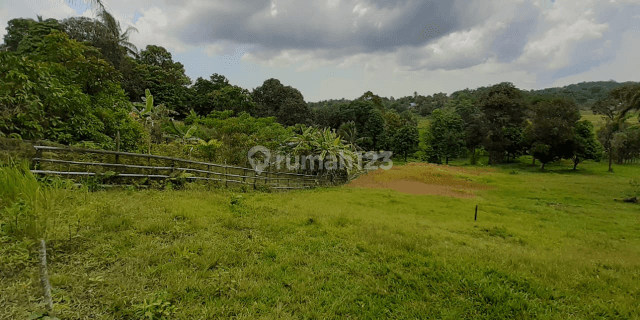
x=333 y=49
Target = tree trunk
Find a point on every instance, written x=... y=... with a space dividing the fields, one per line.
x=534 y=160
x=575 y=164
x=446 y=160
x=610 y=159
x=542 y=166
x=405 y=157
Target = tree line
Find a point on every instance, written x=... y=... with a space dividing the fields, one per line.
x=507 y=123
x=80 y=81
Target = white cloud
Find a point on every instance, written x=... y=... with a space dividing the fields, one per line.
x=333 y=3
x=624 y=67
x=373 y=46
x=554 y=49
x=154 y=27
x=360 y=10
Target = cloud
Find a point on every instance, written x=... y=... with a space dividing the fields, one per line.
x=346 y=47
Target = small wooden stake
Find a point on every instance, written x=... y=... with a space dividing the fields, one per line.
x=44 y=277
x=476 y=216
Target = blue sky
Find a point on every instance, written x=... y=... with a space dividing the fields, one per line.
x=343 y=48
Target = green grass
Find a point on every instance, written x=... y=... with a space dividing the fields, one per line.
x=598 y=121
x=550 y=245
x=423 y=125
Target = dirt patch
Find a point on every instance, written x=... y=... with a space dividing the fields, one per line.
x=417 y=178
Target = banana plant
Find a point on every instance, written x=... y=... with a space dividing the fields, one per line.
x=186 y=137
x=151 y=116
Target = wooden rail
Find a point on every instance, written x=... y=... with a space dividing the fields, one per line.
x=226 y=174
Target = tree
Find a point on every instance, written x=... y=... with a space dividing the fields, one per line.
x=294 y=111
x=474 y=130
x=628 y=97
x=374 y=128
x=609 y=108
x=57 y=89
x=406 y=140
x=232 y=97
x=585 y=144
x=328 y=116
x=202 y=90
x=105 y=34
x=446 y=134
x=552 y=130
x=375 y=99
x=502 y=107
x=349 y=133
x=283 y=102
x=21 y=29
x=164 y=77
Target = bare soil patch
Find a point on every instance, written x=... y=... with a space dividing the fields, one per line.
x=419 y=178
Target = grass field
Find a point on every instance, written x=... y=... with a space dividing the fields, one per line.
x=551 y=245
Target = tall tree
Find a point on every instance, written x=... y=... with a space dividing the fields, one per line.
x=552 y=130
x=164 y=77
x=374 y=128
x=406 y=140
x=585 y=144
x=57 y=89
x=446 y=134
x=104 y=33
x=283 y=102
x=19 y=29
x=503 y=108
x=609 y=108
x=474 y=131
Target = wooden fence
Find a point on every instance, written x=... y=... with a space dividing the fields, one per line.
x=129 y=168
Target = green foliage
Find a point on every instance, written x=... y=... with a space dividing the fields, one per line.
x=503 y=112
x=155 y=70
x=58 y=89
x=154 y=308
x=349 y=133
x=585 y=144
x=466 y=106
x=374 y=129
x=328 y=147
x=552 y=130
x=230 y=138
x=446 y=134
x=405 y=140
x=586 y=94
x=105 y=34
x=29 y=29
x=273 y=99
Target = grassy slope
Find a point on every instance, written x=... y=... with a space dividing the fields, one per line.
x=546 y=245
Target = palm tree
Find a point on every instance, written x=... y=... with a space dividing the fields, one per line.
x=114 y=31
x=349 y=133
x=97 y=5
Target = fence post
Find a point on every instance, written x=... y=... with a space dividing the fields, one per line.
x=34 y=162
x=255 y=179
x=44 y=277
x=118 y=147
x=226 y=177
